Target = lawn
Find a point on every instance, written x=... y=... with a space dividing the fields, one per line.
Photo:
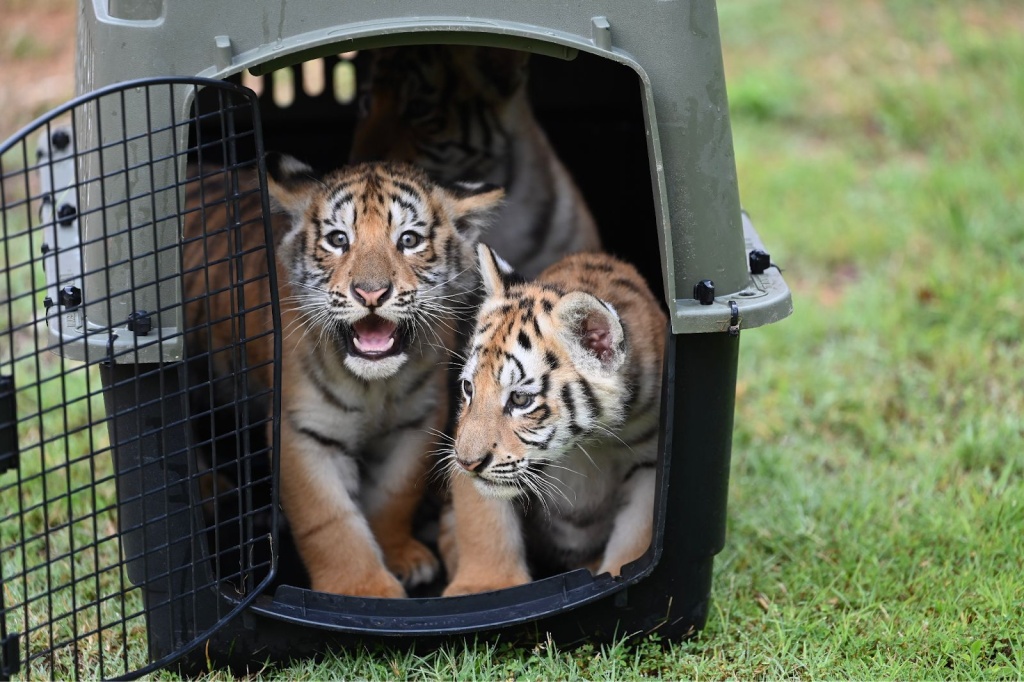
x=876 y=519
x=876 y=514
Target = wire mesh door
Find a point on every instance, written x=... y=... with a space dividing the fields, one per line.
x=138 y=348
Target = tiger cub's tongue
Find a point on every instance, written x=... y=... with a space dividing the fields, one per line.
x=374 y=334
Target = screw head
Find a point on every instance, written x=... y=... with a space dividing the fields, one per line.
x=704 y=291
x=759 y=261
x=60 y=140
x=140 y=322
x=47 y=303
x=66 y=213
x=70 y=297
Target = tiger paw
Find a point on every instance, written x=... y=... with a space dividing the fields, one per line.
x=475 y=584
x=378 y=584
x=412 y=562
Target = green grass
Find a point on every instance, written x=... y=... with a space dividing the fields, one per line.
x=59 y=552
x=876 y=519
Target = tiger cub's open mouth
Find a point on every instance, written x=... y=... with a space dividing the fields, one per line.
x=375 y=337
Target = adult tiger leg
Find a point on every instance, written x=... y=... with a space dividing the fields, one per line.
x=489 y=542
x=332 y=535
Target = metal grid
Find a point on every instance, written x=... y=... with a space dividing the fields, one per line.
x=138 y=346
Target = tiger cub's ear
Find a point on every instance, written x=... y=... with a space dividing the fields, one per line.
x=473 y=205
x=290 y=183
x=496 y=273
x=591 y=332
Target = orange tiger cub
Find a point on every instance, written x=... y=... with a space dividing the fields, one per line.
x=464 y=112
x=553 y=463
x=371 y=264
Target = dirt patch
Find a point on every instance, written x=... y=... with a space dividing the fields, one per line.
x=37 y=55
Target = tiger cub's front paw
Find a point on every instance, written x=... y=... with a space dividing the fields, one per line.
x=412 y=562
x=377 y=584
x=476 y=583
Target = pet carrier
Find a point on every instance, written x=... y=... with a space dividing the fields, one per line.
x=140 y=515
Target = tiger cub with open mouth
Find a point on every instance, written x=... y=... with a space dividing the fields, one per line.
x=553 y=461
x=372 y=263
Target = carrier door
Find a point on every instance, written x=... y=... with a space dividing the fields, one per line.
x=139 y=348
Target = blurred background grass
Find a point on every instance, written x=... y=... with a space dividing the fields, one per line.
x=876 y=522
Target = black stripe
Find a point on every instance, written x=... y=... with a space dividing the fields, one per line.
x=407 y=205
x=451 y=254
x=519 y=365
x=339 y=202
x=552 y=360
x=630 y=285
x=646 y=435
x=637 y=467
x=588 y=393
x=524 y=340
x=652 y=399
x=407 y=188
x=323 y=440
x=570 y=408
x=540 y=444
x=465 y=132
x=540 y=408
x=545 y=383
x=319 y=385
x=419 y=382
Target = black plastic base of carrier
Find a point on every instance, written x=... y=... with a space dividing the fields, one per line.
x=260 y=636
x=667 y=591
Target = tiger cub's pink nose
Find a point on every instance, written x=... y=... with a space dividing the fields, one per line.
x=371 y=298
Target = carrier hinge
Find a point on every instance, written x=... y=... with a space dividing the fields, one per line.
x=10 y=655
x=8 y=426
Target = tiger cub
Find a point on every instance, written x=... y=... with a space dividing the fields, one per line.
x=371 y=264
x=463 y=112
x=556 y=443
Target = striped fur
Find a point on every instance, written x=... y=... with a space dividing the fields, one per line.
x=373 y=263
x=463 y=112
x=554 y=457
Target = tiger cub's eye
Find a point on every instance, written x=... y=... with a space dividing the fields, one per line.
x=517 y=399
x=409 y=240
x=337 y=239
x=467 y=389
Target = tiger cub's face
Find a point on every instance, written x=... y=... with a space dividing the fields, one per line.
x=376 y=255
x=444 y=107
x=541 y=376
